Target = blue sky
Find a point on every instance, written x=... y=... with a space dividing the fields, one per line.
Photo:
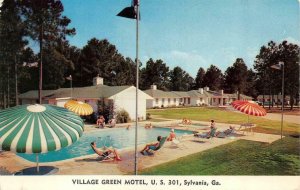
x=188 y=33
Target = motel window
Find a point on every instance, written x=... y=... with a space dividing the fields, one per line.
x=163 y=100
x=201 y=99
x=169 y=100
x=174 y=100
x=156 y=100
x=180 y=100
x=189 y=100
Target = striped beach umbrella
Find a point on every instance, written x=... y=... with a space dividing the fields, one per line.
x=38 y=128
x=249 y=107
x=79 y=107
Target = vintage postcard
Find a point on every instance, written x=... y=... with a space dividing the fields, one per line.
x=143 y=94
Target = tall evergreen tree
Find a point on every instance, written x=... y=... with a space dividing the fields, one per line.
x=236 y=77
x=155 y=72
x=213 y=78
x=200 y=78
x=250 y=89
x=180 y=80
x=45 y=23
x=99 y=57
x=272 y=54
x=12 y=43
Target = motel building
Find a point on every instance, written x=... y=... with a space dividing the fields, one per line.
x=121 y=97
x=200 y=97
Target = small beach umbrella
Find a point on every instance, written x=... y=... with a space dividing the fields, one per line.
x=38 y=128
x=79 y=107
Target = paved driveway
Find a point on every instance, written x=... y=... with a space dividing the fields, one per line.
x=288 y=118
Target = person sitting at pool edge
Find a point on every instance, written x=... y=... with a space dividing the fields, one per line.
x=101 y=121
x=106 y=152
x=148 y=126
x=151 y=146
x=172 y=135
x=112 y=122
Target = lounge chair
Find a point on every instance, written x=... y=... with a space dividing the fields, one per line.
x=208 y=135
x=162 y=142
x=178 y=142
x=226 y=133
x=246 y=126
x=105 y=156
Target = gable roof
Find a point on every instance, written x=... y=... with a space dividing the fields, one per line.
x=99 y=91
x=192 y=93
x=196 y=93
x=181 y=94
x=161 y=94
x=34 y=94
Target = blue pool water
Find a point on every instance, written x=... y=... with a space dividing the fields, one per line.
x=118 y=138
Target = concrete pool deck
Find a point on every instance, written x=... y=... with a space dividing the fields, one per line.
x=89 y=165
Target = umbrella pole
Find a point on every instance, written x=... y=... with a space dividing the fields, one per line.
x=37 y=163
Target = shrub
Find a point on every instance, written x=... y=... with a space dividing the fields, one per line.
x=122 y=116
x=148 y=116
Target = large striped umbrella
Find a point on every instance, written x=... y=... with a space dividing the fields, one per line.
x=79 y=107
x=249 y=107
x=38 y=128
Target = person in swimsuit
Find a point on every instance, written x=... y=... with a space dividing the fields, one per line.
x=152 y=146
x=106 y=152
x=172 y=135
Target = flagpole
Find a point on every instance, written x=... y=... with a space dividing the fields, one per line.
x=41 y=66
x=278 y=67
x=71 y=81
x=132 y=12
x=282 y=105
x=137 y=87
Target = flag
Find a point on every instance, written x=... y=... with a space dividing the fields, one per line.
x=277 y=66
x=136 y=2
x=69 y=77
x=130 y=12
x=34 y=64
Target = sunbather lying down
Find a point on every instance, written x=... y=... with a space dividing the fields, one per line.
x=106 y=153
x=225 y=132
x=186 y=121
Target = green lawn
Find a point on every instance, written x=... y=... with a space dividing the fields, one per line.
x=223 y=116
x=237 y=158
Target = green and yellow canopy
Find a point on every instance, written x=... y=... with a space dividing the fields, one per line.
x=38 y=128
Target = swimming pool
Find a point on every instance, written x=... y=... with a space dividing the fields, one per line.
x=118 y=138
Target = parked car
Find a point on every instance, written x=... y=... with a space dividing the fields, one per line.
x=259 y=103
